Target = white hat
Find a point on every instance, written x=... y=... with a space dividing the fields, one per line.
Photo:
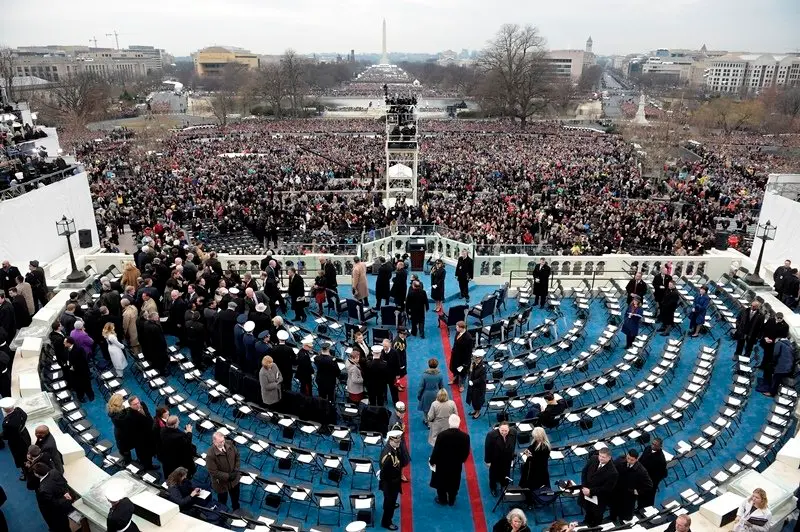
x=400 y=405
x=7 y=402
x=395 y=434
x=307 y=341
x=261 y=307
x=233 y=290
x=176 y=242
x=115 y=492
x=376 y=349
x=283 y=335
x=249 y=326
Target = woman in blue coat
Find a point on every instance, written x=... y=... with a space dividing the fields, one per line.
x=698 y=315
x=630 y=327
x=431 y=384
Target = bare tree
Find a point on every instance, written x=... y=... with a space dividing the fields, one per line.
x=516 y=71
x=272 y=87
x=78 y=100
x=8 y=69
x=228 y=88
x=730 y=115
x=293 y=70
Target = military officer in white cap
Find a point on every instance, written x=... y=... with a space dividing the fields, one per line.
x=390 y=477
x=14 y=432
x=120 y=517
x=284 y=357
x=305 y=370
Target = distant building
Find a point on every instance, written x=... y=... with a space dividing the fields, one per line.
x=569 y=64
x=735 y=73
x=211 y=61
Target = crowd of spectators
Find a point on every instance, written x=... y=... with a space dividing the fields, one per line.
x=294 y=183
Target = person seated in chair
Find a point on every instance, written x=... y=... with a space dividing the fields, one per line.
x=548 y=417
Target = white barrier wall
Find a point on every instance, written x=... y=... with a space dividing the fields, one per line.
x=28 y=222
x=783 y=213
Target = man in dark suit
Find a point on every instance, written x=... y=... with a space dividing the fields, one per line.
x=176 y=309
x=80 y=378
x=636 y=287
x=327 y=373
x=668 y=306
x=46 y=442
x=57 y=342
x=382 y=284
x=417 y=306
x=271 y=285
x=400 y=285
x=461 y=355
x=391 y=474
x=541 y=279
x=598 y=480
x=153 y=342
x=464 y=273
x=8 y=318
x=500 y=448
x=53 y=498
x=748 y=328
x=226 y=321
x=660 y=284
x=654 y=461
x=377 y=377
x=297 y=295
x=330 y=275
x=633 y=479
x=176 y=448
x=550 y=416
x=780 y=276
x=8 y=276
x=449 y=453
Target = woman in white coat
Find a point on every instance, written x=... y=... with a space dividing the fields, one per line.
x=754 y=514
x=116 y=351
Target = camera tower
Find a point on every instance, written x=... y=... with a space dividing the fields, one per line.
x=402 y=150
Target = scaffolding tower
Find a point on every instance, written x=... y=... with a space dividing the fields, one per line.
x=402 y=151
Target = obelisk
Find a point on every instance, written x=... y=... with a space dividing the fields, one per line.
x=640 y=118
x=384 y=56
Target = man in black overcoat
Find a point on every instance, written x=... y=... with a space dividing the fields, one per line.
x=500 y=449
x=15 y=433
x=382 y=283
x=541 y=280
x=464 y=273
x=598 y=480
x=636 y=287
x=633 y=479
x=461 y=355
x=748 y=328
x=654 y=461
x=400 y=285
x=449 y=453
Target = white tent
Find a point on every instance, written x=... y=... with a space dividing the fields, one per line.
x=400 y=170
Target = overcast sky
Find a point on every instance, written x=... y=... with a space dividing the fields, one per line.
x=270 y=26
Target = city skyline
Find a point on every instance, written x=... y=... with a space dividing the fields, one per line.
x=618 y=27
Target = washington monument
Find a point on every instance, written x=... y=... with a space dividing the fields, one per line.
x=384 y=56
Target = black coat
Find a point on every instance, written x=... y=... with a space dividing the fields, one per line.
x=226 y=321
x=437 y=283
x=400 y=286
x=120 y=515
x=449 y=453
x=17 y=436
x=8 y=278
x=550 y=416
x=327 y=371
x=781 y=274
x=305 y=370
x=504 y=526
x=638 y=288
x=8 y=319
x=80 y=378
x=660 y=285
x=417 y=304
x=669 y=304
x=655 y=463
x=122 y=430
x=476 y=391
x=499 y=452
x=176 y=450
x=383 y=280
x=153 y=344
x=48 y=445
x=535 y=470
x=54 y=507
x=284 y=358
x=601 y=482
x=631 y=478
x=749 y=328
x=541 y=279
x=378 y=375
x=296 y=289
x=57 y=342
x=140 y=426
x=774 y=330
x=461 y=355
x=464 y=268
x=390 y=469
x=330 y=275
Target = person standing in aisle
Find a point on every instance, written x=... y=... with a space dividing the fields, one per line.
x=390 y=478
x=464 y=273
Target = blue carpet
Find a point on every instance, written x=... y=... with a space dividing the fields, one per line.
x=20 y=508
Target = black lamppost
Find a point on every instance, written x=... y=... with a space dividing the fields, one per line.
x=765 y=232
x=66 y=227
